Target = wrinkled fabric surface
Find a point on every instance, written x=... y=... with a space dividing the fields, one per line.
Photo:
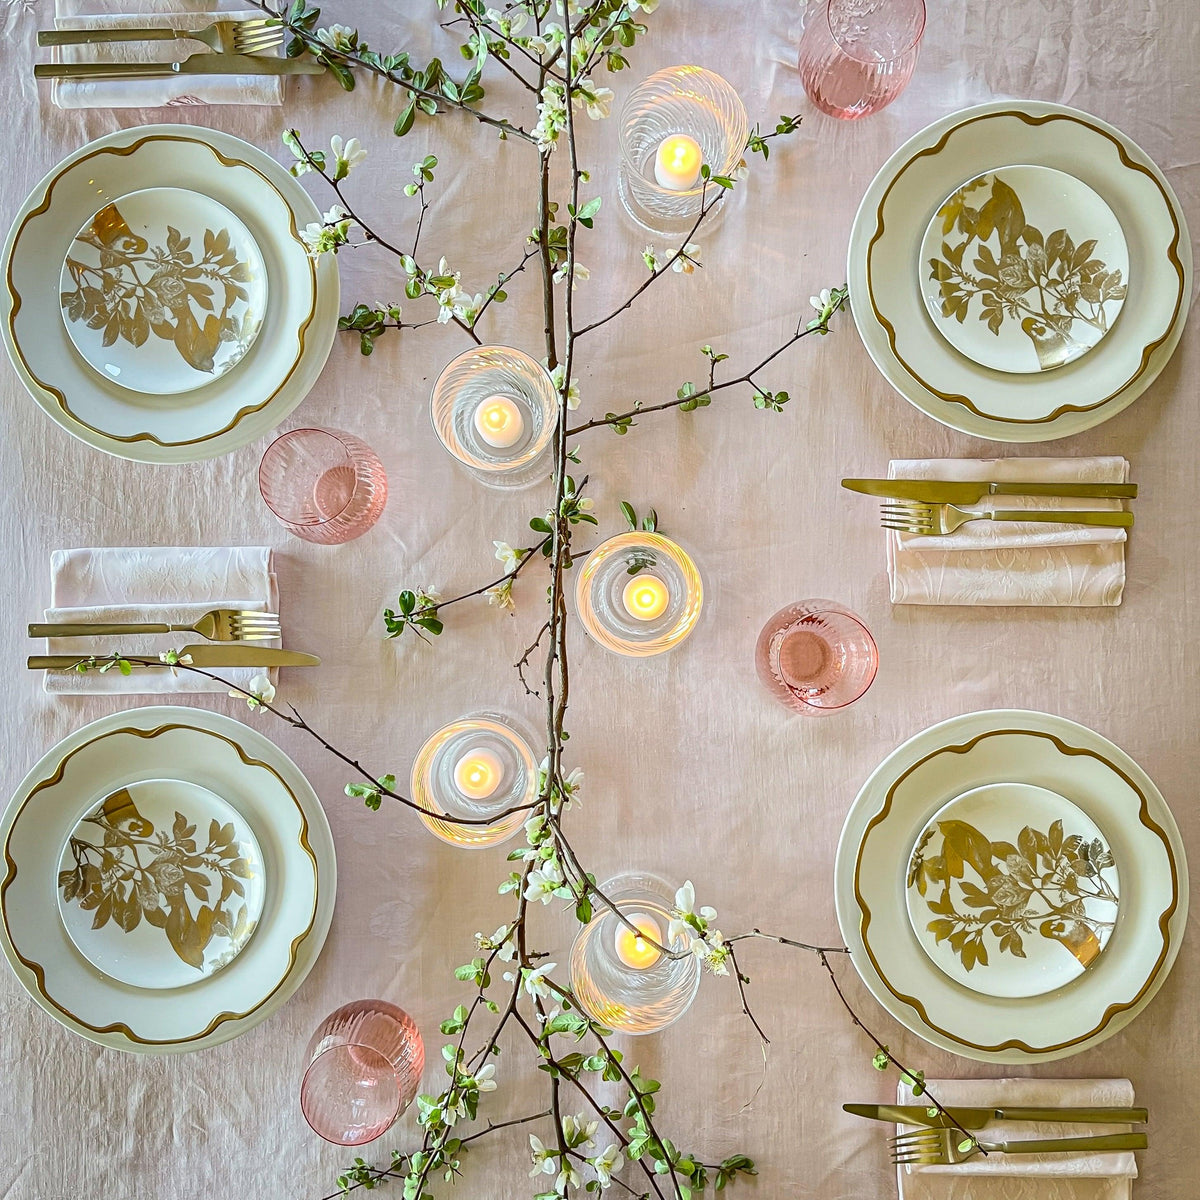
x=692 y=770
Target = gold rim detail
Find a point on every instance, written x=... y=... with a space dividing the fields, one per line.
x=16 y=301
x=1147 y=352
x=1164 y=919
x=38 y=970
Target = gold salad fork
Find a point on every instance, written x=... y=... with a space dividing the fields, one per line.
x=228 y=37
x=220 y=625
x=910 y=516
x=930 y=1147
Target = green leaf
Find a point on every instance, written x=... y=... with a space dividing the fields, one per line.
x=629 y=514
x=404 y=122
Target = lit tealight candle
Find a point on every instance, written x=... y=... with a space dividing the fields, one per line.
x=477 y=775
x=645 y=597
x=499 y=421
x=632 y=948
x=677 y=163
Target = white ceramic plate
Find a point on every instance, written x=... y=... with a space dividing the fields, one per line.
x=886 y=291
x=944 y=761
x=1012 y=890
x=279 y=368
x=163 y=291
x=236 y=763
x=161 y=884
x=1023 y=269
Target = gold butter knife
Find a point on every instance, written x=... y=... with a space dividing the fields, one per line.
x=977 y=1118
x=201 y=63
x=936 y=491
x=201 y=655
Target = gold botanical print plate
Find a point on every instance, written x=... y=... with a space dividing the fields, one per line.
x=1024 y=269
x=1012 y=890
x=908 y=792
x=98 y=952
x=163 y=290
x=161 y=884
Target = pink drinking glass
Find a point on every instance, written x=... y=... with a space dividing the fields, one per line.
x=857 y=56
x=323 y=485
x=816 y=656
x=364 y=1067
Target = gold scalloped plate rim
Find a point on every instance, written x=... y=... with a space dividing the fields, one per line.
x=39 y=972
x=15 y=299
x=1164 y=919
x=1148 y=351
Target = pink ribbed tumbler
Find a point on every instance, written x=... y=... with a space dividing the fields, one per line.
x=364 y=1068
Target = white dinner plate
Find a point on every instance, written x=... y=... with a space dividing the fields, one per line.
x=885 y=284
x=256 y=393
x=251 y=775
x=881 y=831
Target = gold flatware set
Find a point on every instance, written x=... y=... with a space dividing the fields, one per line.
x=234 y=48
x=229 y=628
x=933 y=508
x=939 y=1143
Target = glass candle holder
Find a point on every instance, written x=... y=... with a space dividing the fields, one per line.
x=639 y=594
x=495 y=409
x=621 y=979
x=816 y=657
x=475 y=769
x=676 y=120
x=857 y=56
x=364 y=1068
x=323 y=485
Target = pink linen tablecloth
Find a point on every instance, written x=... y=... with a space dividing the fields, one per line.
x=720 y=783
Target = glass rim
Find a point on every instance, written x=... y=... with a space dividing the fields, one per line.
x=917 y=35
x=283 y=437
x=349 y=1045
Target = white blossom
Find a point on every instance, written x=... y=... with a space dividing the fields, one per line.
x=346 y=155
x=543 y=1158
x=596 y=100
x=500 y=595
x=688 y=259
x=484 y=1078
x=609 y=1161
x=578 y=1130
x=535 y=980
x=568 y=1177
x=542 y=882
x=557 y=376
x=261 y=689
x=338 y=37
x=647 y=6
x=552 y=115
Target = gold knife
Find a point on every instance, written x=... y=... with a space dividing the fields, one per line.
x=201 y=63
x=977 y=1118
x=936 y=491
x=202 y=656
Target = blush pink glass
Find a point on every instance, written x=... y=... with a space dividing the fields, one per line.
x=816 y=656
x=364 y=1067
x=323 y=485
x=857 y=56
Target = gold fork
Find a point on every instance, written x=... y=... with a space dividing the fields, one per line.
x=930 y=1147
x=220 y=625
x=911 y=516
x=227 y=37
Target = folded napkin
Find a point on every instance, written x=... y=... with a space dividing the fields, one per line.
x=152 y=93
x=1084 y=1176
x=1012 y=563
x=172 y=585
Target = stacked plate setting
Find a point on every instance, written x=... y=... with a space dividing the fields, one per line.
x=169 y=880
x=160 y=304
x=1000 y=823
x=948 y=307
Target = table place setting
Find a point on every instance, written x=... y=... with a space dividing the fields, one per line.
x=1009 y=886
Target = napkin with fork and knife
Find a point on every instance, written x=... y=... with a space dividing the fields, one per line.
x=1013 y=563
x=171 y=91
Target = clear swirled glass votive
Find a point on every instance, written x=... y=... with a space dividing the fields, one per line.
x=364 y=1065
x=639 y=594
x=475 y=769
x=495 y=408
x=622 y=980
x=673 y=122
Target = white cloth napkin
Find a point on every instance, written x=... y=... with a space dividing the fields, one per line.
x=1084 y=1176
x=152 y=93
x=1012 y=563
x=172 y=585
